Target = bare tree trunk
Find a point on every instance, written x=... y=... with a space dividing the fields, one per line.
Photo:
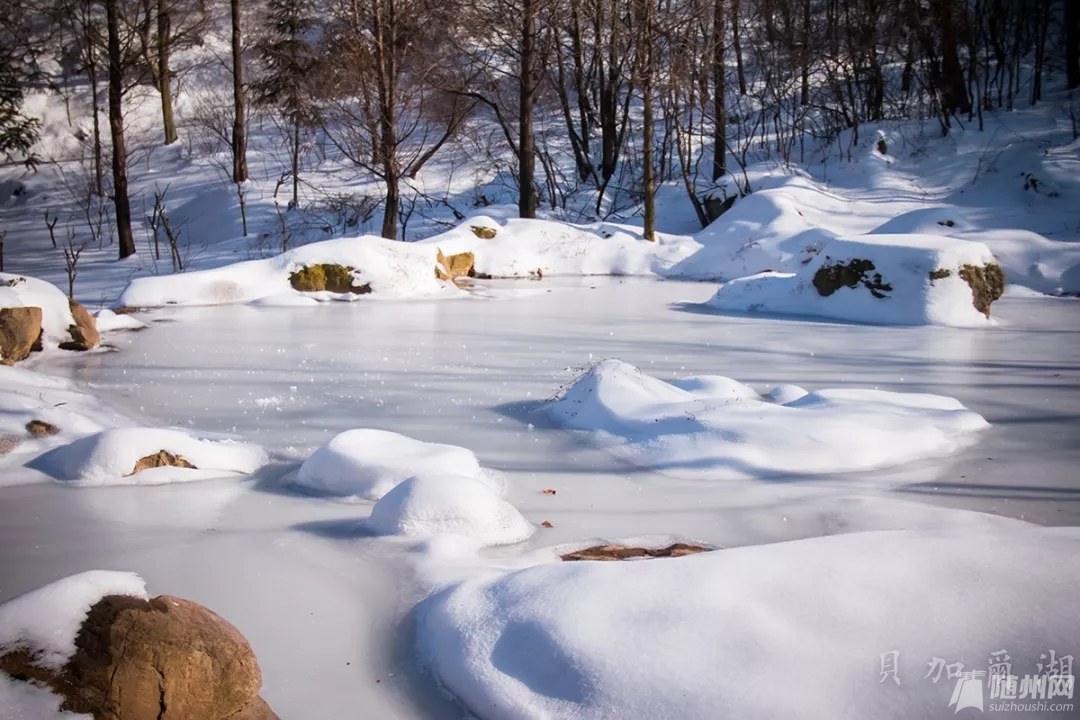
x=164 y=39
x=736 y=40
x=239 y=141
x=526 y=104
x=644 y=59
x=296 y=161
x=99 y=171
x=719 y=168
x=387 y=85
x=804 y=54
x=1072 y=43
x=954 y=95
x=116 y=125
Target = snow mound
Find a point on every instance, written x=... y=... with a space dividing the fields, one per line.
x=741 y=632
x=392 y=269
x=775 y=229
x=435 y=505
x=718 y=428
x=24 y=291
x=894 y=280
x=521 y=248
x=108 y=321
x=45 y=621
x=368 y=463
x=109 y=457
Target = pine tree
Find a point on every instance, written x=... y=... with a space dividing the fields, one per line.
x=288 y=58
x=18 y=133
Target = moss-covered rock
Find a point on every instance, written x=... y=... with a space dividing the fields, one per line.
x=327 y=277
x=830 y=278
x=940 y=274
x=987 y=284
x=484 y=232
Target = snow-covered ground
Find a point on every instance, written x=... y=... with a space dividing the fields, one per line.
x=327 y=601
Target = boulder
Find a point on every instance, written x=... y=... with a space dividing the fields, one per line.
x=987 y=283
x=621 y=552
x=162 y=458
x=452 y=267
x=40 y=428
x=20 y=332
x=84 y=332
x=327 y=277
x=484 y=232
x=830 y=278
x=160 y=659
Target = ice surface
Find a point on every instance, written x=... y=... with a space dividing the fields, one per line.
x=45 y=621
x=714 y=427
x=367 y=463
x=108 y=457
x=904 y=292
x=448 y=505
x=790 y=630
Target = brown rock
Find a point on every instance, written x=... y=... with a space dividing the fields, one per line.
x=484 y=232
x=987 y=284
x=620 y=552
x=84 y=333
x=160 y=659
x=20 y=332
x=830 y=278
x=162 y=458
x=452 y=267
x=40 y=428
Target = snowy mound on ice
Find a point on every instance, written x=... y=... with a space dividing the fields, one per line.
x=775 y=229
x=368 y=463
x=798 y=629
x=881 y=279
x=392 y=269
x=108 y=321
x=448 y=505
x=715 y=427
x=45 y=621
x=110 y=458
x=23 y=291
x=520 y=248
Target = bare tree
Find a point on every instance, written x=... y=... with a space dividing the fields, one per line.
x=116 y=125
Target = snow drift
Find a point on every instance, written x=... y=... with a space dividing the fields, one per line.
x=110 y=458
x=24 y=291
x=437 y=505
x=716 y=427
x=742 y=632
x=368 y=463
x=881 y=279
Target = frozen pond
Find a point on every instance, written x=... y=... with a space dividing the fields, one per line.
x=321 y=602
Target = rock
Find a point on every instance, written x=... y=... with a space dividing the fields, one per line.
x=830 y=278
x=452 y=267
x=328 y=277
x=484 y=232
x=620 y=552
x=716 y=206
x=161 y=458
x=84 y=333
x=40 y=428
x=987 y=284
x=20 y=333
x=160 y=659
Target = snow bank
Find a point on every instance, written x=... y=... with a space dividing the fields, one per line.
x=520 y=248
x=393 y=269
x=447 y=505
x=23 y=291
x=45 y=621
x=369 y=463
x=108 y=321
x=894 y=280
x=796 y=629
x=108 y=457
x=718 y=428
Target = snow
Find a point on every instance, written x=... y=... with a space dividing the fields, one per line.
x=393 y=269
x=717 y=428
x=108 y=457
x=45 y=621
x=903 y=262
x=29 y=701
x=521 y=248
x=789 y=630
x=108 y=321
x=368 y=463
x=25 y=291
x=447 y=505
